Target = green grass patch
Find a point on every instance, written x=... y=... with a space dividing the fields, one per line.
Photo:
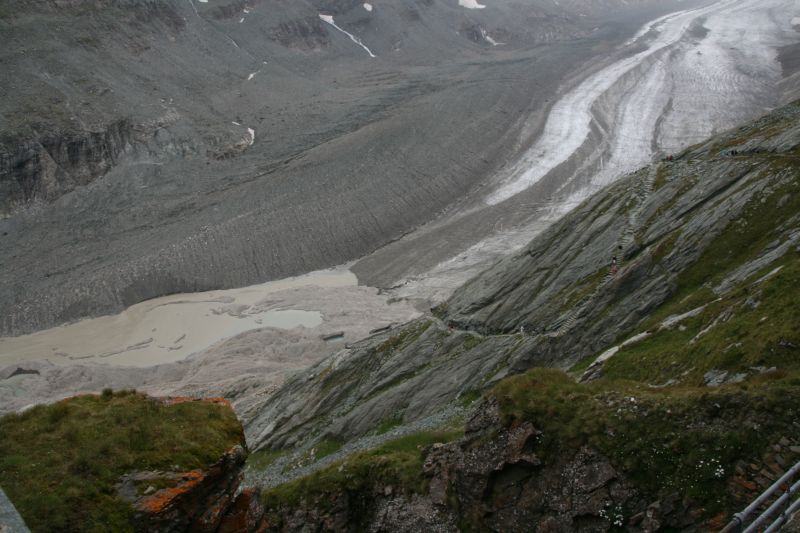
x=263 y=459
x=687 y=184
x=59 y=463
x=326 y=447
x=753 y=326
x=741 y=241
x=397 y=463
x=744 y=238
x=405 y=337
x=323 y=448
x=665 y=246
x=472 y=341
x=388 y=424
x=468 y=398
x=582 y=289
x=662 y=174
x=684 y=440
x=580 y=367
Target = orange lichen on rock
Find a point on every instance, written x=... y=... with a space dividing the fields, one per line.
x=199 y=500
x=162 y=499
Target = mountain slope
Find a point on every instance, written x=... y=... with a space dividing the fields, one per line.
x=708 y=248
x=179 y=146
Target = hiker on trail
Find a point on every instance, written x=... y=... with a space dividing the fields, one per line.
x=614 y=265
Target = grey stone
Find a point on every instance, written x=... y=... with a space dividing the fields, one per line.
x=10 y=520
x=417 y=374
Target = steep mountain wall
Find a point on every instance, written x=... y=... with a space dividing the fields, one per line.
x=685 y=232
x=679 y=406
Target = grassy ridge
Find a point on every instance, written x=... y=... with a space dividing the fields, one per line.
x=397 y=463
x=678 y=440
x=59 y=463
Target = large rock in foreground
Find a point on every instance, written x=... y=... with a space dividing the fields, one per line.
x=122 y=462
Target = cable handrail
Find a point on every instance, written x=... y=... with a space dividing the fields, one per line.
x=736 y=525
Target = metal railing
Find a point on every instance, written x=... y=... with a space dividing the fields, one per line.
x=784 y=504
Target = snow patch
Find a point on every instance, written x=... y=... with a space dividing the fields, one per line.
x=488 y=38
x=241 y=20
x=329 y=20
x=470 y=4
x=252 y=134
x=368 y=6
x=605 y=356
x=252 y=75
x=492 y=41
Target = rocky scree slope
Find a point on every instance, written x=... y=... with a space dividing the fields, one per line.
x=704 y=295
x=178 y=146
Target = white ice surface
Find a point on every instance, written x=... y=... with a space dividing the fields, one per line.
x=329 y=20
x=368 y=6
x=678 y=90
x=470 y=4
x=707 y=83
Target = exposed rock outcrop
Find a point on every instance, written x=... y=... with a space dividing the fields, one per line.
x=556 y=303
x=56 y=163
x=495 y=481
x=198 y=501
x=123 y=461
x=381 y=510
x=492 y=479
x=305 y=34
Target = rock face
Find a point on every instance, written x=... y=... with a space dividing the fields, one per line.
x=497 y=483
x=197 y=502
x=490 y=480
x=556 y=302
x=707 y=227
x=10 y=520
x=154 y=167
x=380 y=511
x=57 y=163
